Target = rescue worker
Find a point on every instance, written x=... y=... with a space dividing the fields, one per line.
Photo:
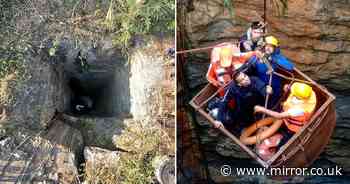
x=246 y=92
x=273 y=55
x=297 y=109
x=253 y=38
x=224 y=61
x=220 y=71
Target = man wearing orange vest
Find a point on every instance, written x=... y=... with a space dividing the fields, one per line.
x=221 y=69
x=297 y=109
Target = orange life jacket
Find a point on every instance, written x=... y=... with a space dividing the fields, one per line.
x=308 y=106
x=219 y=74
x=216 y=73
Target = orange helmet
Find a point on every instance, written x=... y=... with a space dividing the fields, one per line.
x=226 y=57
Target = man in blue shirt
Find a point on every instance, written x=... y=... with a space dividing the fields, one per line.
x=260 y=68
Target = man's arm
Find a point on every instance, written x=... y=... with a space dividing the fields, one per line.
x=244 y=56
x=211 y=76
x=284 y=62
x=278 y=115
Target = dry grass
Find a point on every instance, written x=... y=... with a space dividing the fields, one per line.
x=148 y=141
x=7 y=84
x=104 y=174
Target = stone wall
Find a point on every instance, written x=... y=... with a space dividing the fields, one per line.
x=149 y=77
x=315 y=34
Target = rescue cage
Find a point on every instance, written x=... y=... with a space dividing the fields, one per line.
x=303 y=147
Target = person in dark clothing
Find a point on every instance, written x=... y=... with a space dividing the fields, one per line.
x=253 y=38
x=82 y=104
x=246 y=93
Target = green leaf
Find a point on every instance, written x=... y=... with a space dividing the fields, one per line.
x=228 y=4
x=52 y=51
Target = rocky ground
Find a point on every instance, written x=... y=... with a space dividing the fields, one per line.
x=44 y=140
x=55 y=53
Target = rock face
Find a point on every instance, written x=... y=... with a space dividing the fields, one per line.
x=67 y=147
x=97 y=131
x=147 y=71
x=313 y=33
x=51 y=158
x=40 y=94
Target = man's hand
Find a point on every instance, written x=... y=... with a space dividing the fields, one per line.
x=286 y=87
x=269 y=89
x=248 y=45
x=259 y=54
x=216 y=83
x=218 y=124
x=258 y=109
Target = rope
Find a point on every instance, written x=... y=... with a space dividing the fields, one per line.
x=194 y=50
x=199 y=49
x=292 y=79
x=270 y=79
x=270 y=71
x=265 y=8
x=268 y=95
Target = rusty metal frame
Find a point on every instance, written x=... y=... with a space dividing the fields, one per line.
x=314 y=119
x=314 y=122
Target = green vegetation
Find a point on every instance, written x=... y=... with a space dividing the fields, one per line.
x=127 y=18
x=8 y=66
x=228 y=4
x=53 y=49
x=13 y=44
x=121 y=19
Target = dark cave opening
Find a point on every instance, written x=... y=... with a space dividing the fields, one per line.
x=99 y=88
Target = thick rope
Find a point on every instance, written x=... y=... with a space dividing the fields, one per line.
x=268 y=95
x=270 y=72
x=291 y=79
x=202 y=48
x=265 y=8
x=194 y=50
